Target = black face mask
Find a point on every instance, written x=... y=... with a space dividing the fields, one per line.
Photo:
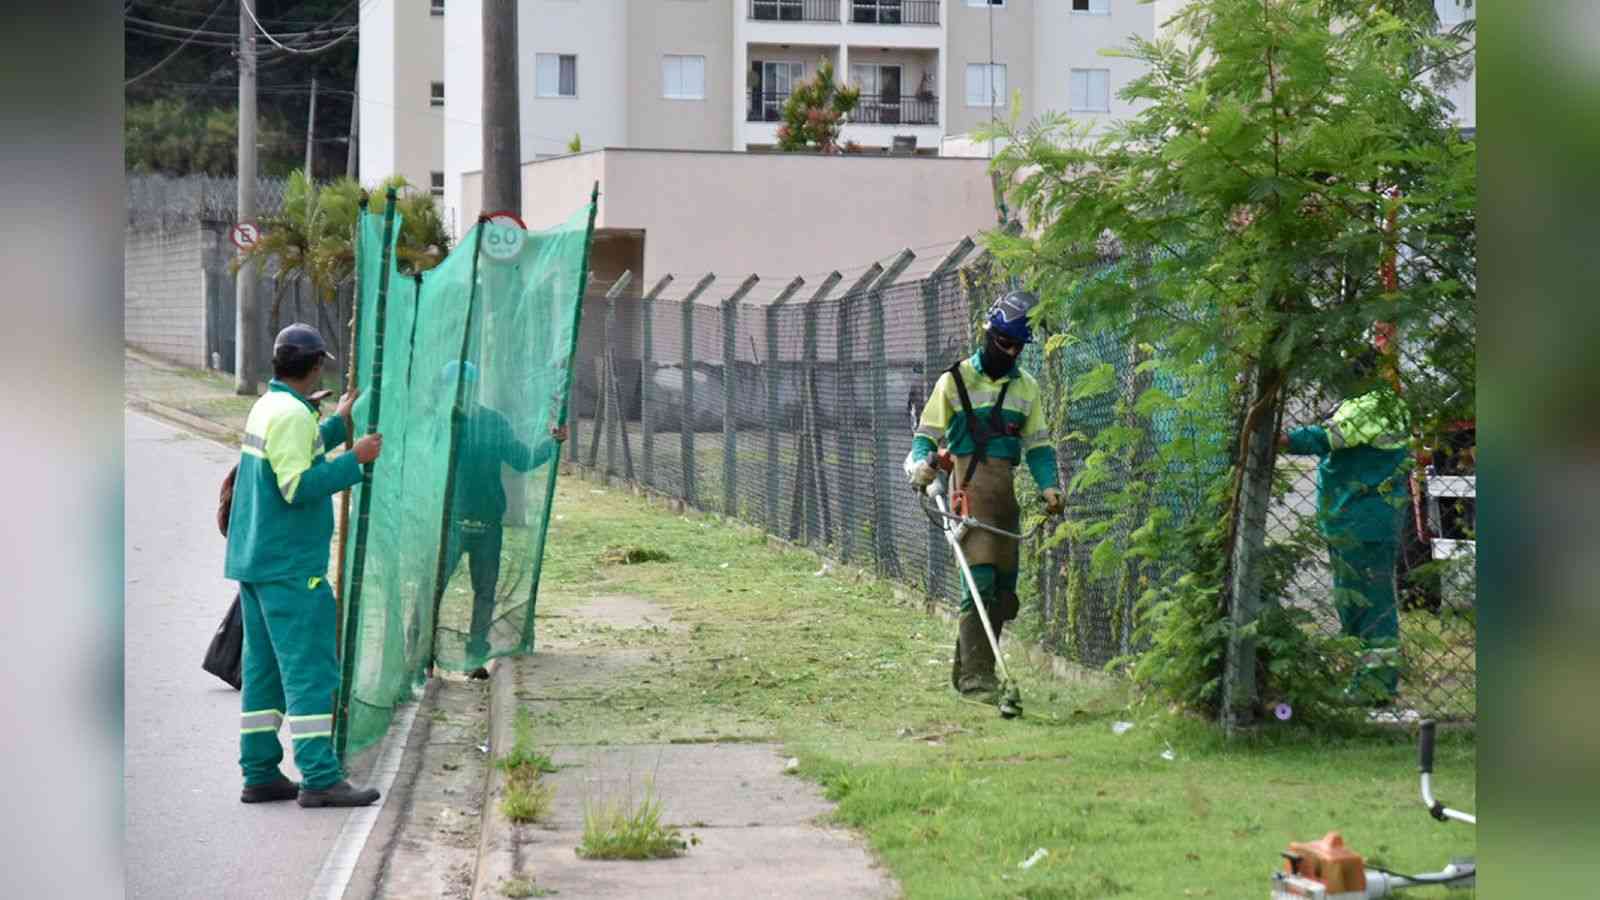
x=996 y=363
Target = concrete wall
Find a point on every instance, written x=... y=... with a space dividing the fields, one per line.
x=402 y=54
x=1065 y=40
x=688 y=28
x=773 y=214
x=1014 y=47
x=164 y=290
x=376 y=87
x=463 y=110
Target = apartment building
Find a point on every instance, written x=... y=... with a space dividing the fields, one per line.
x=666 y=74
x=400 y=85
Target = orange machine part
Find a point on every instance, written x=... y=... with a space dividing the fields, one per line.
x=1328 y=861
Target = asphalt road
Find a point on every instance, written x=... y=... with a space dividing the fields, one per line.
x=187 y=833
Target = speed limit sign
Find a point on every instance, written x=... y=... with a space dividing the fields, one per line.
x=503 y=236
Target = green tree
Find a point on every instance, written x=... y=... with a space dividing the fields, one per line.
x=176 y=137
x=815 y=111
x=1283 y=150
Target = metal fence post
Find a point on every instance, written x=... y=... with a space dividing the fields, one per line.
x=808 y=456
x=647 y=372
x=932 y=364
x=844 y=407
x=616 y=424
x=774 y=377
x=882 y=420
x=730 y=411
x=687 y=422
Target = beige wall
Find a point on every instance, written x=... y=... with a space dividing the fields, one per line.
x=419 y=126
x=686 y=27
x=969 y=43
x=773 y=214
x=552 y=190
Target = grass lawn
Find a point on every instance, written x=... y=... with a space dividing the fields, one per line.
x=856 y=684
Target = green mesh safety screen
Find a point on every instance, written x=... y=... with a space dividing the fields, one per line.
x=465 y=370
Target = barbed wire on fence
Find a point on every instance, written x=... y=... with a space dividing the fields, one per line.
x=166 y=201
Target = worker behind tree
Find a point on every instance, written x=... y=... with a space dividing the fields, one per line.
x=278 y=546
x=1361 y=498
x=478 y=496
x=988 y=413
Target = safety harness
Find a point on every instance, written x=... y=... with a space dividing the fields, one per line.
x=982 y=431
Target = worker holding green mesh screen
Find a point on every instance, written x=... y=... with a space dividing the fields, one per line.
x=478 y=498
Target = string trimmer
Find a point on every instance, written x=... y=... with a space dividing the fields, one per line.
x=953 y=518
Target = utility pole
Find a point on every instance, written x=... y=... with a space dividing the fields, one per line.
x=311 y=133
x=354 y=146
x=502 y=139
x=247 y=367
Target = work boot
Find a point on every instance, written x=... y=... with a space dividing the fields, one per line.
x=341 y=794
x=266 y=792
x=977 y=661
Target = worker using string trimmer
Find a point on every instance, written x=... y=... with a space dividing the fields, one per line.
x=987 y=413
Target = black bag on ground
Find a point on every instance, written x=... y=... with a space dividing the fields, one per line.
x=227 y=647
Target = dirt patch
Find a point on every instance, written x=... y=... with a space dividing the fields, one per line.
x=612 y=610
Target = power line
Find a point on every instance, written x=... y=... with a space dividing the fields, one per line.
x=169 y=57
x=281 y=19
x=334 y=43
x=222 y=35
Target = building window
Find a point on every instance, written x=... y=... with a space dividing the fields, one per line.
x=436 y=183
x=436 y=7
x=770 y=86
x=986 y=84
x=683 y=77
x=1094 y=7
x=558 y=74
x=1091 y=90
x=436 y=94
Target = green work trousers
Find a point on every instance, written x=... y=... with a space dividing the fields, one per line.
x=289 y=664
x=1364 y=595
x=991 y=583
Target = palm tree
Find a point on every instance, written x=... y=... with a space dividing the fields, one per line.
x=314 y=236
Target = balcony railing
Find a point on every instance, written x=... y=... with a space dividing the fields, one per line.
x=795 y=10
x=879 y=110
x=894 y=12
x=862 y=12
x=767 y=106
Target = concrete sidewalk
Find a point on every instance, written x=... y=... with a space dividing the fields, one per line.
x=203 y=402
x=756 y=828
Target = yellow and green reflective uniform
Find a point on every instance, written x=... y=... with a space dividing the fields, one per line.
x=1361 y=498
x=278 y=540
x=1025 y=436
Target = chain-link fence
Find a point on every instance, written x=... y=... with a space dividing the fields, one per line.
x=791 y=403
x=1435 y=585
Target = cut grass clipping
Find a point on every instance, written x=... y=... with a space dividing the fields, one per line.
x=527 y=798
x=628 y=556
x=614 y=828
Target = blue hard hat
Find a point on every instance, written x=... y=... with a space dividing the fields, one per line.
x=469 y=372
x=1008 y=317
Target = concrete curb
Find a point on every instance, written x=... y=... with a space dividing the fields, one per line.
x=175 y=416
x=497 y=839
